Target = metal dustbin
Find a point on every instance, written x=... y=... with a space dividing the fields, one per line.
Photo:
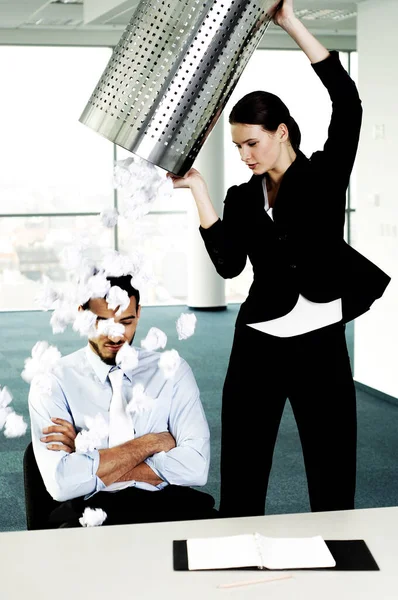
x=172 y=73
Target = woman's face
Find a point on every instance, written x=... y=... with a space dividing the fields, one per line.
x=259 y=149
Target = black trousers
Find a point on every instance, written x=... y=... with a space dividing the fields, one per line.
x=312 y=370
x=134 y=505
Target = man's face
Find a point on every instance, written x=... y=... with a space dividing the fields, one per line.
x=107 y=347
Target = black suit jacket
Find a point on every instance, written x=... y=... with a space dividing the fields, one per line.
x=301 y=251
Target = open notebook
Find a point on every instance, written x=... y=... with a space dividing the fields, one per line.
x=256 y=550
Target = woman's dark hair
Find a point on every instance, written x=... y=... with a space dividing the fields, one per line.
x=124 y=282
x=267 y=110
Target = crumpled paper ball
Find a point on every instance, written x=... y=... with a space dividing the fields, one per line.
x=64 y=314
x=109 y=217
x=44 y=358
x=115 y=264
x=85 y=441
x=97 y=286
x=140 y=402
x=165 y=189
x=109 y=328
x=155 y=339
x=85 y=323
x=15 y=426
x=185 y=325
x=121 y=173
x=5 y=397
x=169 y=362
x=117 y=297
x=141 y=184
x=92 y=517
x=47 y=295
x=127 y=357
x=142 y=279
x=93 y=437
x=5 y=409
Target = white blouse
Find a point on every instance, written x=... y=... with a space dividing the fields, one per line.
x=306 y=316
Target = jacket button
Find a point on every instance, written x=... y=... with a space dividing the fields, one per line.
x=293 y=266
x=282 y=238
x=220 y=261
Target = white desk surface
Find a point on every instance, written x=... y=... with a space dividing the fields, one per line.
x=135 y=561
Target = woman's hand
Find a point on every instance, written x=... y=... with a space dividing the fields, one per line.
x=189 y=180
x=195 y=182
x=284 y=14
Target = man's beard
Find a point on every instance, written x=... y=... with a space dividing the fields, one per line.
x=108 y=360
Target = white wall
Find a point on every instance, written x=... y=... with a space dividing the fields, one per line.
x=376 y=333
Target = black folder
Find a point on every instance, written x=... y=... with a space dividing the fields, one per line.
x=350 y=555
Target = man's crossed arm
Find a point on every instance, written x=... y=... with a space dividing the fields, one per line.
x=120 y=463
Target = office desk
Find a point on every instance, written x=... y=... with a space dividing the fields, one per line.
x=135 y=561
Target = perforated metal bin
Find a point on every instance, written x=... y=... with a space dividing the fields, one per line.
x=171 y=74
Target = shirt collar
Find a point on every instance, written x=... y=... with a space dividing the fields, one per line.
x=257 y=187
x=100 y=368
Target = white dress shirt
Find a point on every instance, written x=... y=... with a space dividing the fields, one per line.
x=306 y=316
x=81 y=387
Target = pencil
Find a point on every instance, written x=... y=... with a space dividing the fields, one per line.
x=253 y=581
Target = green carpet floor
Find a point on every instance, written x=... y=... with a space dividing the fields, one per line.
x=207 y=352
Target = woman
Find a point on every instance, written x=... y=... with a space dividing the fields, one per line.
x=289 y=339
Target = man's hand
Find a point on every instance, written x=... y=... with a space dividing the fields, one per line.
x=63 y=434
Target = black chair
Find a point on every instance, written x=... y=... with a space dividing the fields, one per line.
x=38 y=502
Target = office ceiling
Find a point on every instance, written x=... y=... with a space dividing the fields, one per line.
x=322 y=16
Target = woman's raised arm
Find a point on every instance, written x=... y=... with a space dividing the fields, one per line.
x=287 y=20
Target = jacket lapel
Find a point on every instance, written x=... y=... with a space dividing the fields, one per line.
x=292 y=190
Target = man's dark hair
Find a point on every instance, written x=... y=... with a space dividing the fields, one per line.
x=124 y=282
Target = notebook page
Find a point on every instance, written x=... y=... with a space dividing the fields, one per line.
x=295 y=553
x=223 y=552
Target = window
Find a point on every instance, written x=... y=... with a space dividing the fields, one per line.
x=56 y=173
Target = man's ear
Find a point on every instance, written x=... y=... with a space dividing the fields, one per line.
x=80 y=308
x=138 y=311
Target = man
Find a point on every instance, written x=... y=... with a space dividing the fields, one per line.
x=144 y=479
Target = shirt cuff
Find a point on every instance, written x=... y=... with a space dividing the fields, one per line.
x=151 y=461
x=156 y=463
x=99 y=484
